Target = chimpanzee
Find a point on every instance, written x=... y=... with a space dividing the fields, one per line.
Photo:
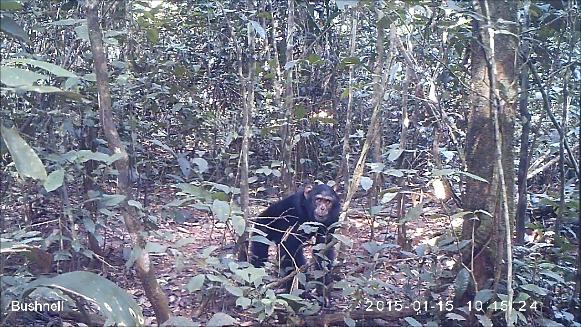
x=281 y=221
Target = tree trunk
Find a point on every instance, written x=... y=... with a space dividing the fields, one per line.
x=144 y=266
x=489 y=230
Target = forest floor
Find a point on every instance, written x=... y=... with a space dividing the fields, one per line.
x=206 y=232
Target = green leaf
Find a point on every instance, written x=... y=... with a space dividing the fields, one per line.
x=118 y=306
x=26 y=160
x=442 y=172
x=344 y=239
x=476 y=177
x=51 y=68
x=10 y=5
x=153 y=35
x=388 y=197
x=300 y=112
x=414 y=213
x=366 y=183
x=54 y=180
x=349 y=61
x=12 y=76
x=111 y=200
x=202 y=164
x=412 y=322
x=239 y=224
x=461 y=283
x=349 y=322
x=221 y=209
x=82 y=32
x=314 y=58
x=135 y=204
x=258 y=28
x=483 y=296
x=534 y=288
x=67 y=22
x=236 y=291
x=244 y=302
x=48 y=89
x=196 y=283
x=394 y=154
x=151 y=247
x=8 y=25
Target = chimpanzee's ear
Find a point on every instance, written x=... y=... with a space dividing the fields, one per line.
x=308 y=188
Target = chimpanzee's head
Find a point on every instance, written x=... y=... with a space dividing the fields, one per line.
x=323 y=203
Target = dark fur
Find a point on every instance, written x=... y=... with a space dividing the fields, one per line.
x=284 y=219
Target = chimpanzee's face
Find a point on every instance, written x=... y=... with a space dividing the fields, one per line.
x=323 y=200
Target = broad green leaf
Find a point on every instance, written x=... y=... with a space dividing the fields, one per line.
x=461 y=283
x=486 y=322
x=455 y=316
x=344 y=239
x=48 y=89
x=118 y=306
x=153 y=35
x=412 y=322
x=54 y=180
x=314 y=58
x=243 y=302
x=258 y=28
x=8 y=25
x=67 y=22
x=82 y=32
x=388 y=197
x=239 y=224
x=483 y=296
x=92 y=77
x=51 y=68
x=71 y=82
x=26 y=160
x=394 y=154
x=534 y=288
x=112 y=199
x=202 y=164
x=476 y=177
x=349 y=322
x=151 y=247
x=414 y=213
x=366 y=183
x=300 y=112
x=221 y=209
x=135 y=204
x=10 y=5
x=349 y=61
x=236 y=291
x=12 y=76
x=442 y=172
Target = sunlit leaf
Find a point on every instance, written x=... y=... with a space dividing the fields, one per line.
x=54 y=180
x=26 y=160
x=51 y=68
x=12 y=76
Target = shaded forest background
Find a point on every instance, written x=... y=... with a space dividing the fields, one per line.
x=140 y=138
